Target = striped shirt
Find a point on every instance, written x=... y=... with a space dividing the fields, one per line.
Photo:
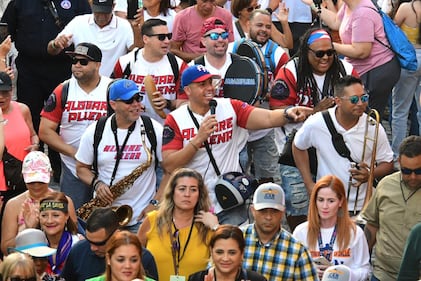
x=283 y=258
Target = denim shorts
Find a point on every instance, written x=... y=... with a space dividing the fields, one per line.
x=296 y=195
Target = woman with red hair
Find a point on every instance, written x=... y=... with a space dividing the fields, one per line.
x=330 y=235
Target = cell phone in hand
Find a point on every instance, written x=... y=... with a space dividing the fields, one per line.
x=132 y=7
x=4 y=32
x=322 y=261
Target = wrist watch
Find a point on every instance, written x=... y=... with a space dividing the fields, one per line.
x=154 y=202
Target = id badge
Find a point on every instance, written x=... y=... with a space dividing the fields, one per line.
x=177 y=278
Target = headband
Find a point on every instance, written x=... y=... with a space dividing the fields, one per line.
x=318 y=35
x=52 y=205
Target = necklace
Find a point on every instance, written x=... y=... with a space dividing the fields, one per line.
x=411 y=193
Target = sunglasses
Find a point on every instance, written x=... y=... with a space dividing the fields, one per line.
x=251 y=9
x=83 y=62
x=161 y=36
x=216 y=35
x=320 y=54
x=407 y=171
x=17 y=278
x=354 y=99
x=136 y=97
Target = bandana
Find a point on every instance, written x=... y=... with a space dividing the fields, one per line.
x=318 y=35
x=51 y=205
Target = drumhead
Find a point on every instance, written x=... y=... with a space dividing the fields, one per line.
x=243 y=80
x=250 y=49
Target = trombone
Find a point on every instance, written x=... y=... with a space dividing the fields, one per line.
x=373 y=119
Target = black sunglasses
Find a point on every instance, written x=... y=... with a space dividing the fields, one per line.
x=251 y=9
x=320 y=54
x=161 y=36
x=83 y=62
x=17 y=278
x=407 y=171
x=136 y=97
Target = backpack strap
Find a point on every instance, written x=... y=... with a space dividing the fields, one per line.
x=200 y=60
x=239 y=29
x=174 y=66
x=64 y=93
x=270 y=55
x=150 y=133
x=128 y=69
x=99 y=129
x=337 y=139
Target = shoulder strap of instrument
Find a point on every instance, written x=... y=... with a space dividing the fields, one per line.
x=128 y=69
x=270 y=55
x=200 y=60
x=239 y=29
x=150 y=133
x=337 y=139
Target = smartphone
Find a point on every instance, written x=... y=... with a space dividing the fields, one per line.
x=321 y=261
x=4 y=32
x=132 y=6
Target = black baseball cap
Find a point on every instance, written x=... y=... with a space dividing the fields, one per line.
x=5 y=82
x=102 y=6
x=87 y=50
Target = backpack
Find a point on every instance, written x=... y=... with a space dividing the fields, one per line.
x=398 y=42
x=99 y=129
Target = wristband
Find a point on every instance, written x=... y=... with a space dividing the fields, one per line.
x=53 y=45
x=154 y=203
x=286 y=116
x=96 y=184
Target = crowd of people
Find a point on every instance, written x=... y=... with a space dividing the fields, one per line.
x=163 y=176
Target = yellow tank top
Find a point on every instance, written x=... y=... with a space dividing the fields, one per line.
x=411 y=32
x=195 y=257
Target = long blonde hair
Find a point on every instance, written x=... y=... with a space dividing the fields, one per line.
x=343 y=224
x=15 y=261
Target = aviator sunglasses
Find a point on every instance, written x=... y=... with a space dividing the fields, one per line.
x=17 y=278
x=354 y=99
x=161 y=36
x=407 y=171
x=216 y=35
x=136 y=97
x=320 y=54
x=83 y=62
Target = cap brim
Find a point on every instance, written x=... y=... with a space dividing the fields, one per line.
x=5 y=87
x=262 y=206
x=206 y=77
x=37 y=177
x=39 y=252
x=128 y=95
x=101 y=9
x=72 y=54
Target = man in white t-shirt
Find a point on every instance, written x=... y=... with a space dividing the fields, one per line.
x=349 y=120
x=153 y=59
x=112 y=34
x=74 y=105
x=124 y=149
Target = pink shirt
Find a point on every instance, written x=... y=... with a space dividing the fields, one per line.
x=364 y=25
x=188 y=25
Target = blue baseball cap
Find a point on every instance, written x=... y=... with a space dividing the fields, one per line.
x=194 y=74
x=123 y=89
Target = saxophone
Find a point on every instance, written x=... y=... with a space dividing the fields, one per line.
x=120 y=187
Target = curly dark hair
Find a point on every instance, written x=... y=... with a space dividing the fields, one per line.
x=305 y=78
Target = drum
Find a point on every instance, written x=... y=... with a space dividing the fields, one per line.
x=252 y=50
x=243 y=80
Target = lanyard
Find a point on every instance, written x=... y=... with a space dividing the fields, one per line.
x=327 y=250
x=176 y=246
x=119 y=150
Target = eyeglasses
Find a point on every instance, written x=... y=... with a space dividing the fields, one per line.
x=161 y=36
x=320 y=54
x=407 y=171
x=136 y=97
x=354 y=99
x=17 y=278
x=216 y=35
x=251 y=9
x=83 y=62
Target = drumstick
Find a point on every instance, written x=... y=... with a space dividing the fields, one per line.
x=150 y=89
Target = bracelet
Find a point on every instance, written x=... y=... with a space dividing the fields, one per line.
x=286 y=116
x=93 y=182
x=53 y=45
x=96 y=185
x=194 y=146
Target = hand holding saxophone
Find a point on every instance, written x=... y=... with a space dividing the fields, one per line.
x=104 y=194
